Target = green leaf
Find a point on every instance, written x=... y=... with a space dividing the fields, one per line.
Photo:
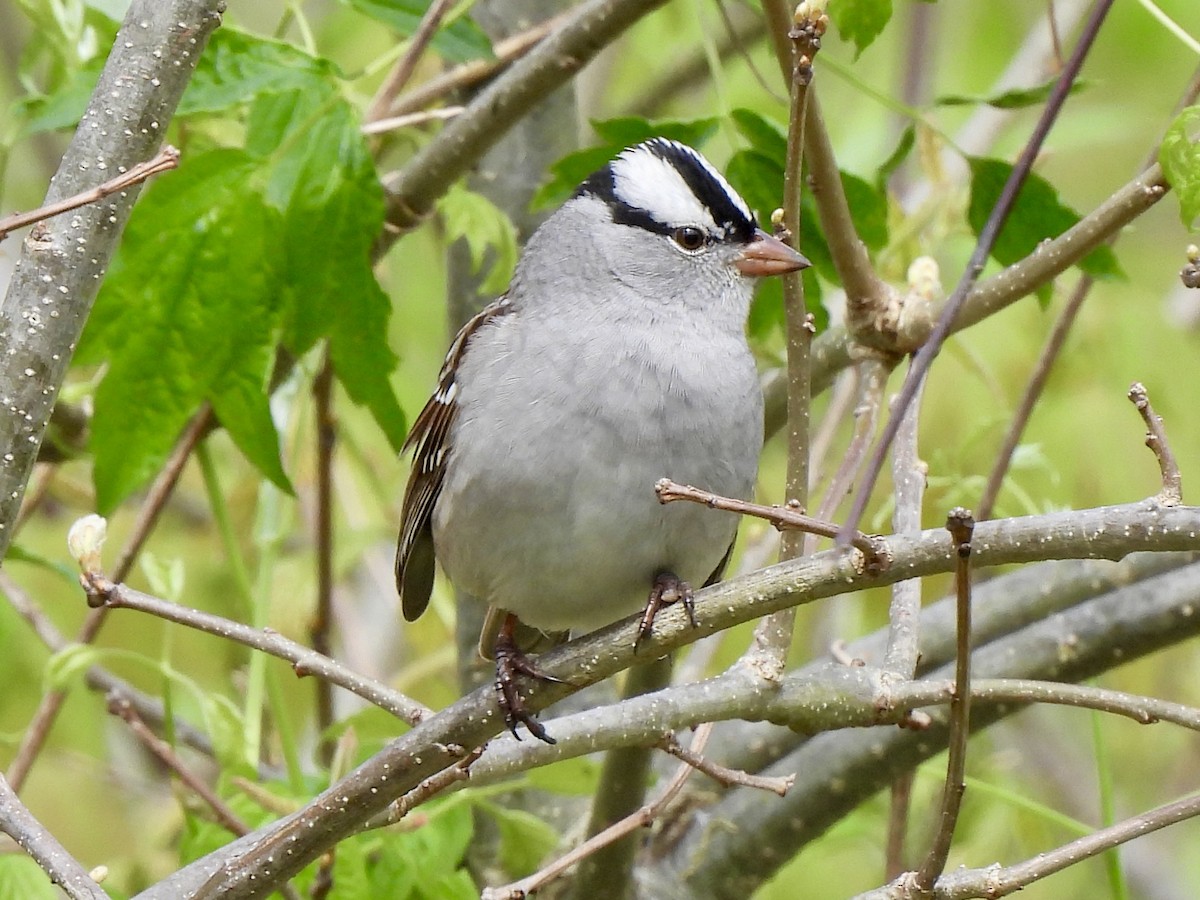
x=868 y=210
x=1180 y=159
x=579 y=776
x=485 y=228
x=895 y=159
x=350 y=870
x=759 y=179
x=226 y=729
x=625 y=131
x=458 y=41
x=23 y=879
x=237 y=67
x=525 y=840
x=861 y=21
x=767 y=137
x=617 y=134
x=1017 y=98
x=68 y=664
x=64 y=107
x=425 y=862
x=190 y=314
x=1037 y=215
x=322 y=179
x=19 y=553
x=165 y=576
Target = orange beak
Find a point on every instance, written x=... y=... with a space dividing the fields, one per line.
x=766 y=255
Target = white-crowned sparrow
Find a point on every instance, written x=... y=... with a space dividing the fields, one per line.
x=618 y=356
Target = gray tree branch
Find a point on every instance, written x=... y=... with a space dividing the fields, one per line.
x=250 y=866
x=838 y=771
x=63 y=869
x=63 y=259
x=415 y=188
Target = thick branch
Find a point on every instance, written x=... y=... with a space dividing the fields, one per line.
x=62 y=868
x=249 y=867
x=839 y=771
x=555 y=61
x=832 y=349
x=63 y=260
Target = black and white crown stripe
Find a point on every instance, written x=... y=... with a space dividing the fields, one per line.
x=662 y=185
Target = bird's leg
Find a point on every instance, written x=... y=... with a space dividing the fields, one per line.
x=511 y=661
x=667 y=589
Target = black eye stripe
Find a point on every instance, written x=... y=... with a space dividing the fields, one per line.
x=725 y=210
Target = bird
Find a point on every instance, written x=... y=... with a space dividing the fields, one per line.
x=617 y=356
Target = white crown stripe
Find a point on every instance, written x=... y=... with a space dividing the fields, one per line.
x=644 y=180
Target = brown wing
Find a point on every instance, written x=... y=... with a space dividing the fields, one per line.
x=430 y=435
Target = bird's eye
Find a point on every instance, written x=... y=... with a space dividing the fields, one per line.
x=689 y=237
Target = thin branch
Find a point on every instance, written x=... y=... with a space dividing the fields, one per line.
x=908 y=477
x=477 y=70
x=164 y=160
x=322 y=617
x=151 y=61
x=38 y=730
x=1141 y=709
x=1000 y=881
x=1033 y=392
x=784 y=518
x=618 y=830
x=379 y=126
x=64 y=870
x=841 y=404
x=97 y=678
x=1052 y=349
x=726 y=776
x=432 y=786
x=983 y=247
x=407 y=64
x=1156 y=439
x=120 y=706
x=899 y=803
x=250 y=867
x=768 y=650
x=304 y=660
x=960 y=525
x=872 y=376
x=592 y=26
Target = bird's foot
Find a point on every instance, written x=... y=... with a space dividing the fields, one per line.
x=667 y=589
x=512 y=661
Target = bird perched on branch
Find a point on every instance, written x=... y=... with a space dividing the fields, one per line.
x=618 y=356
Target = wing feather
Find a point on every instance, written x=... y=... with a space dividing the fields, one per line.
x=430 y=435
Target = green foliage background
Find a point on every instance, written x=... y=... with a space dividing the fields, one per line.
x=262 y=239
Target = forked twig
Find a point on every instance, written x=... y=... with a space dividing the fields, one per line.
x=723 y=774
x=102 y=592
x=1156 y=439
x=433 y=785
x=785 y=518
